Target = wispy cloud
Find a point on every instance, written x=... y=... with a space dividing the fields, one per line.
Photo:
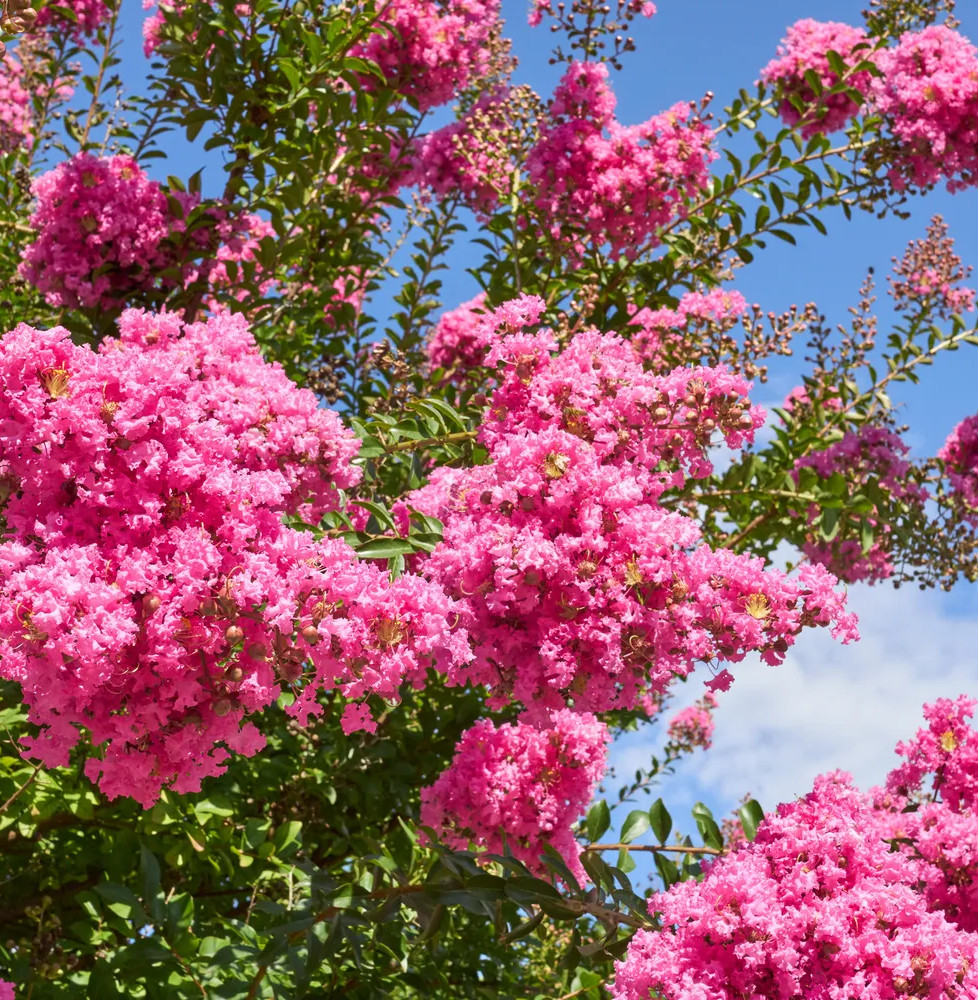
x=828 y=706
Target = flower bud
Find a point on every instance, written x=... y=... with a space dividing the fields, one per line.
x=234 y=634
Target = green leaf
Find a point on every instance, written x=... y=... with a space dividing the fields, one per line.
x=751 y=815
x=707 y=826
x=384 y=548
x=636 y=823
x=598 y=820
x=626 y=862
x=661 y=821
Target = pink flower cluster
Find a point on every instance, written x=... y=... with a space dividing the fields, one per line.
x=101 y=228
x=597 y=180
x=817 y=906
x=105 y=231
x=692 y=727
x=520 y=783
x=930 y=275
x=665 y=337
x=149 y=591
x=460 y=339
x=15 y=107
x=6 y=991
x=469 y=157
x=960 y=457
x=869 y=454
x=231 y=241
x=430 y=51
x=575 y=584
x=805 y=50
x=89 y=17
x=931 y=804
x=928 y=95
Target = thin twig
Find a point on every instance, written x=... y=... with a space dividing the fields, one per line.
x=673 y=848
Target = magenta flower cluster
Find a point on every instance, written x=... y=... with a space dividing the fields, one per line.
x=575 y=584
x=105 y=231
x=519 y=786
x=662 y=336
x=804 y=50
x=461 y=338
x=16 y=120
x=928 y=94
x=149 y=591
x=430 y=50
x=819 y=905
x=101 y=227
x=693 y=726
x=89 y=16
x=960 y=457
x=598 y=181
x=925 y=89
x=469 y=157
x=870 y=454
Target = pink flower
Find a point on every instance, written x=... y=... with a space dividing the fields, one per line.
x=149 y=590
x=89 y=17
x=525 y=784
x=960 y=457
x=871 y=454
x=470 y=157
x=430 y=51
x=692 y=726
x=16 y=120
x=460 y=338
x=599 y=181
x=817 y=906
x=804 y=50
x=101 y=225
x=576 y=586
x=928 y=96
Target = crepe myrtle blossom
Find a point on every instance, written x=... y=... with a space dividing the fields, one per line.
x=150 y=592
x=576 y=586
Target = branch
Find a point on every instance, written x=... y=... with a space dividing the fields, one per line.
x=23 y=788
x=453 y=438
x=676 y=848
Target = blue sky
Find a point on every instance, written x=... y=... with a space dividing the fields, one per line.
x=828 y=706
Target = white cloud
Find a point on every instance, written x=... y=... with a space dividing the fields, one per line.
x=828 y=706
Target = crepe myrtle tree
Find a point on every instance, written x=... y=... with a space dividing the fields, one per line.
x=323 y=594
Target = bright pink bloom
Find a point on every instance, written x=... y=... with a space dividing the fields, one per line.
x=692 y=726
x=577 y=585
x=469 y=157
x=817 y=906
x=805 y=50
x=149 y=591
x=89 y=17
x=960 y=457
x=516 y=781
x=869 y=454
x=928 y=95
x=430 y=51
x=460 y=339
x=16 y=121
x=599 y=181
x=101 y=224
x=667 y=337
